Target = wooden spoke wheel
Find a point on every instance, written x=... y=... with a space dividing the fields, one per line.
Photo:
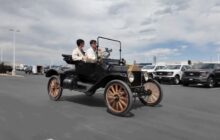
x=54 y=88
x=153 y=94
x=118 y=97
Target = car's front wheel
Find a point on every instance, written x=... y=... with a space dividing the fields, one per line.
x=54 y=89
x=176 y=80
x=118 y=97
x=210 y=82
x=154 y=93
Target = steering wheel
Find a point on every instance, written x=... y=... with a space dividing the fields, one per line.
x=106 y=53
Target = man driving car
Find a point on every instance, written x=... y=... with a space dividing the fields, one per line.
x=78 y=53
x=91 y=53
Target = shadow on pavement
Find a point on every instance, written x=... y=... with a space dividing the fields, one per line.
x=85 y=100
x=97 y=101
x=94 y=101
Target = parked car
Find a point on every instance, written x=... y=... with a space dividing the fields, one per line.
x=122 y=83
x=171 y=73
x=46 y=68
x=21 y=67
x=150 y=69
x=5 y=68
x=207 y=74
x=37 y=69
x=25 y=67
x=28 y=70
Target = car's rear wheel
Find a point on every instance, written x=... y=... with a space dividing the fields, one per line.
x=154 y=94
x=118 y=97
x=210 y=82
x=54 y=89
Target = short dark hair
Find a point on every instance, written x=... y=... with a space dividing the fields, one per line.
x=92 y=41
x=79 y=42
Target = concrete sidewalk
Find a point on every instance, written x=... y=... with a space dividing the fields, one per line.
x=9 y=75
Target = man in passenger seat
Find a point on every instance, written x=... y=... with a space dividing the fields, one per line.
x=78 y=53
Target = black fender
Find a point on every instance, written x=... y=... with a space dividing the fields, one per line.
x=121 y=76
x=104 y=81
x=52 y=72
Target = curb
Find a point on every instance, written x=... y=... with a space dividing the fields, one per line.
x=8 y=75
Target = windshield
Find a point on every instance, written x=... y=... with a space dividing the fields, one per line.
x=203 y=66
x=109 y=48
x=148 y=67
x=173 y=67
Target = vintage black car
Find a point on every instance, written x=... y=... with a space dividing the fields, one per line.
x=122 y=83
x=206 y=73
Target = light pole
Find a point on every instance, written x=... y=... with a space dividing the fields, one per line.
x=14 y=41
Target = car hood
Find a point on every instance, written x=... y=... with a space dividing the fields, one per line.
x=199 y=70
x=147 y=70
x=167 y=70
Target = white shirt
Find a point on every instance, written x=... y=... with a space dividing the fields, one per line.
x=77 y=54
x=91 y=54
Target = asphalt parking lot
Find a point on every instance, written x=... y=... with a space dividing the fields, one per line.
x=26 y=113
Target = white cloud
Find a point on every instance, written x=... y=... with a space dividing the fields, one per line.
x=54 y=25
x=162 y=52
x=184 y=46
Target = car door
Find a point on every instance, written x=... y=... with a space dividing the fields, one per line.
x=86 y=71
x=217 y=72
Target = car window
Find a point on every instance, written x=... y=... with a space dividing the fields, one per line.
x=183 y=68
x=217 y=66
x=148 y=67
x=162 y=67
x=187 y=67
x=173 y=67
x=203 y=66
x=158 y=68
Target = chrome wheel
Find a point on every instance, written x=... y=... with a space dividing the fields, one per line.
x=211 y=82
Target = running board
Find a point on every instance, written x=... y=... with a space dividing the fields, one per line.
x=82 y=87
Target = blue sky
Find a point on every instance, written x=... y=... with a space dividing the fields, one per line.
x=172 y=30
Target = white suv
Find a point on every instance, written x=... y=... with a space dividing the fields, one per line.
x=150 y=69
x=172 y=73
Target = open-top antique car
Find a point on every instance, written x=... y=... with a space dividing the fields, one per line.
x=122 y=83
